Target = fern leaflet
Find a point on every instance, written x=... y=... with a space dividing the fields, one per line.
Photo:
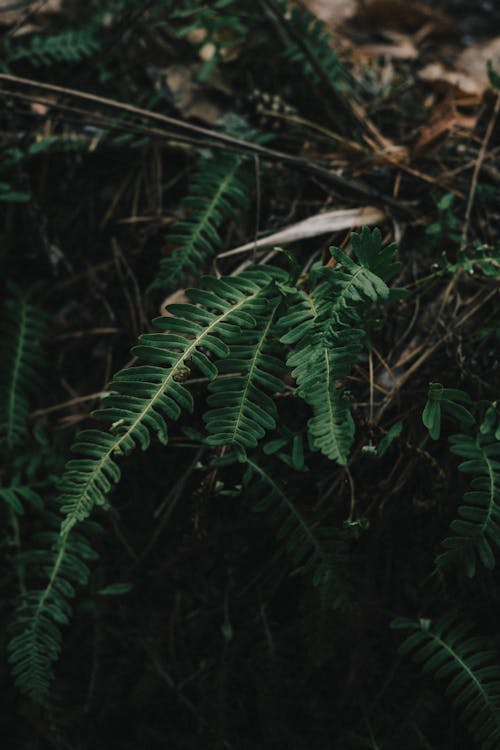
x=21 y=354
x=71 y=46
x=15 y=496
x=478 y=528
x=35 y=642
x=318 y=551
x=445 y=650
x=324 y=327
x=241 y=410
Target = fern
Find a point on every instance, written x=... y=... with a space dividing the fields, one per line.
x=231 y=327
x=21 y=354
x=71 y=46
x=324 y=327
x=317 y=39
x=35 y=642
x=219 y=186
x=15 y=496
x=319 y=551
x=477 y=531
x=241 y=410
x=446 y=650
x=145 y=394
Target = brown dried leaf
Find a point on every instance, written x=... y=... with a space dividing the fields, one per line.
x=175 y=298
x=332 y=12
x=322 y=223
x=473 y=61
x=400 y=47
x=191 y=98
x=403 y=14
x=444 y=118
x=464 y=87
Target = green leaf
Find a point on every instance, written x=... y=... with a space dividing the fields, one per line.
x=116 y=589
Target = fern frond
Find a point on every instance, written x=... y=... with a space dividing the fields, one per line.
x=15 y=496
x=321 y=357
x=216 y=190
x=242 y=411
x=71 y=46
x=317 y=38
x=144 y=395
x=361 y=281
x=319 y=551
x=35 y=641
x=321 y=606
x=477 y=531
x=446 y=650
x=21 y=353
x=323 y=326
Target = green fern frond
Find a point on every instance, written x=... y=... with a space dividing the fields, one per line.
x=220 y=186
x=242 y=411
x=35 y=642
x=71 y=46
x=447 y=651
x=319 y=359
x=477 y=531
x=144 y=395
x=323 y=325
x=21 y=353
x=15 y=497
x=317 y=38
x=319 y=551
x=449 y=400
x=361 y=281
x=321 y=606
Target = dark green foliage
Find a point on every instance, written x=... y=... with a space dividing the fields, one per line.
x=24 y=329
x=242 y=408
x=318 y=551
x=16 y=496
x=476 y=533
x=445 y=398
x=324 y=325
x=220 y=185
x=67 y=47
x=447 y=651
x=217 y=189
x=296 y=391
x=318 y=41
x=231 y=327
x=35 y=642
x=144 y=395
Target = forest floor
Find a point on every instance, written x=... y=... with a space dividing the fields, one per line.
x=144 y=145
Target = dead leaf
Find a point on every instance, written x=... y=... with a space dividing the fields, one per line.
x=191 y=99
x=14 y=12
x=400 y=47
x=403 y=14
x=323 y=223
x=332 y=12
x=444 y=118
x=177 y=297
x=464 y=87
x=473 y=61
